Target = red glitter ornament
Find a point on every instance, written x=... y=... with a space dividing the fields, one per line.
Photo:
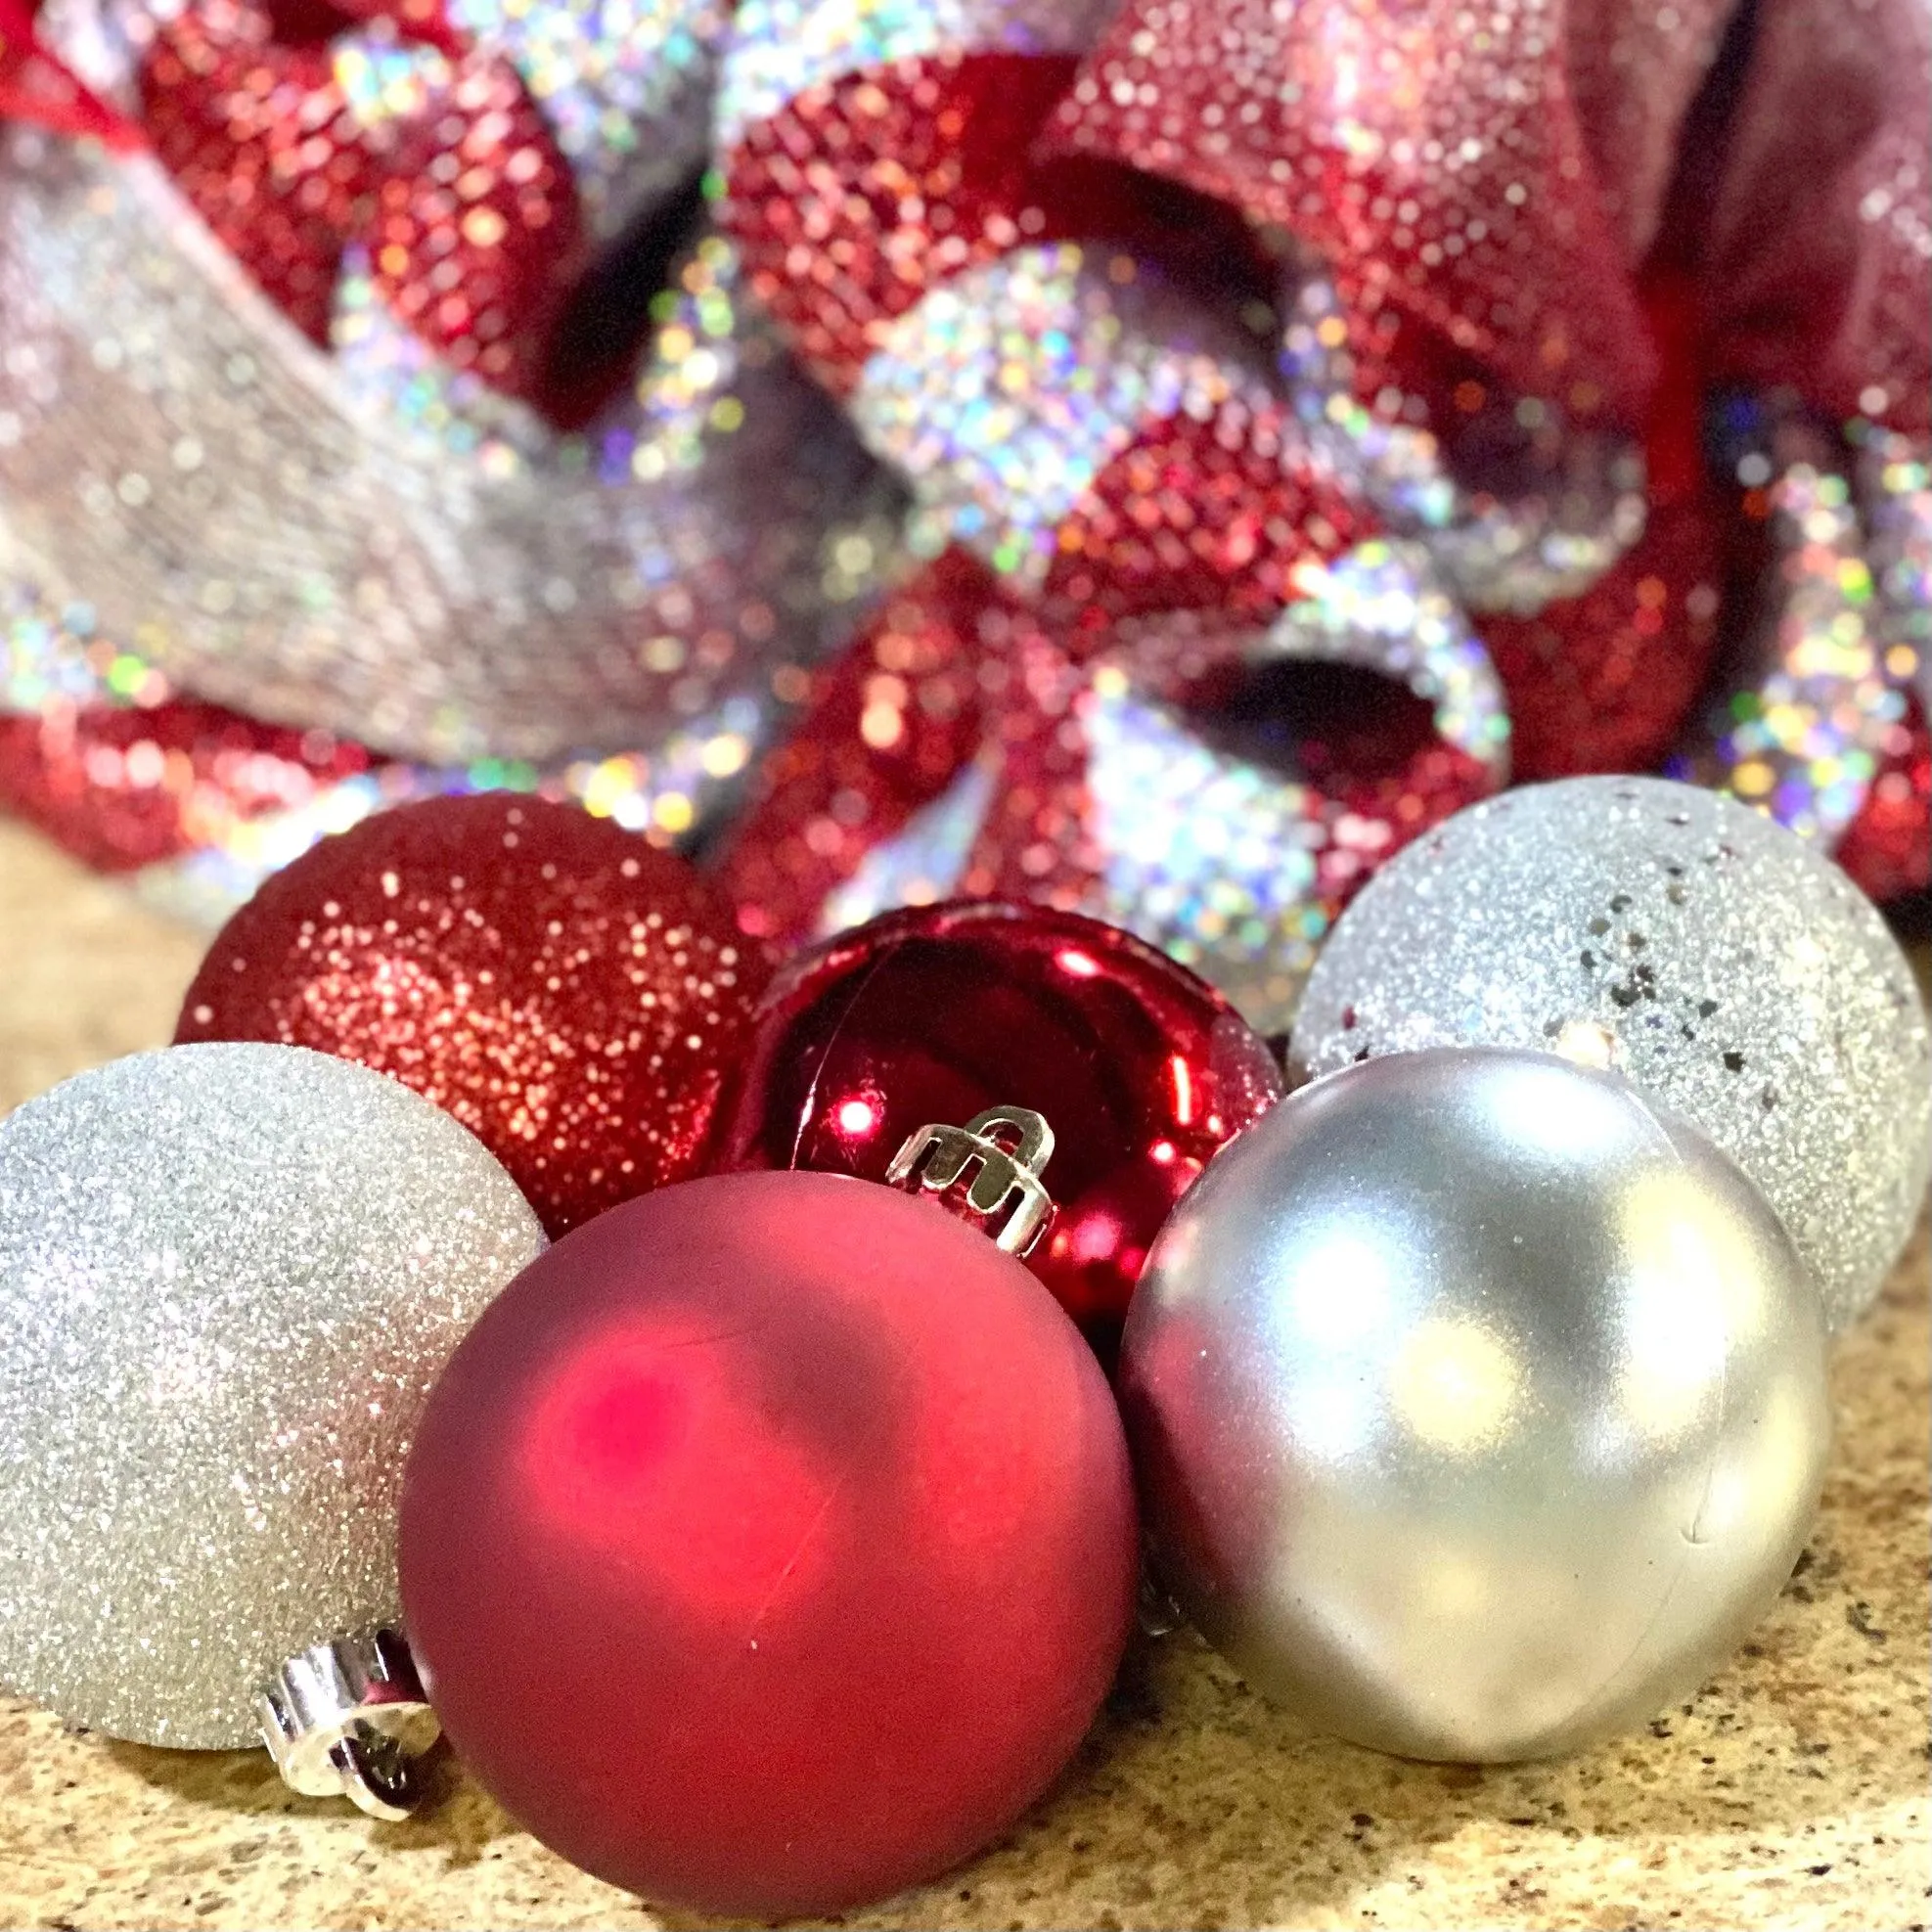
x=936 y=1012
x=568 y=992
x=769 y=1544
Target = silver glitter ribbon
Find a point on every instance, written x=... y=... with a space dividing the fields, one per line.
x=626 y=85
x=1217 y=858
x=101 y=42
x=54 y=658
x=1006 y=393
x=174 y=451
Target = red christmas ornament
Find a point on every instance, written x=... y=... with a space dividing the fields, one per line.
x=568 y=992
x=769 y=1544
x=936 y=1012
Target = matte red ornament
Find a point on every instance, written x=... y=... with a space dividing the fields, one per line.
x=935 y=1012
x=768 y=1545
x=569 y=993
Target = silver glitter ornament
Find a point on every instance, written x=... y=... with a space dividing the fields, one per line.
x=1478 y=1407
x=228 y=1276
x=1731 y=972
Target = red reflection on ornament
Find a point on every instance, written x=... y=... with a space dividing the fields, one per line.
x=619 y=1448
x=935 y=1013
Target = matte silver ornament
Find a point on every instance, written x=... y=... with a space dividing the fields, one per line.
x=1728 y=969
x=1478 y=1407
x=228 y=1276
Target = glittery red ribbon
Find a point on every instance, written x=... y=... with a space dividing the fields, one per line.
x=1501 y=177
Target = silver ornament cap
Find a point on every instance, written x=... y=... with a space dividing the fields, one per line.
x=1002 y=1185
x=1720 y=962
x=350 y=1719
x=1478 y=1407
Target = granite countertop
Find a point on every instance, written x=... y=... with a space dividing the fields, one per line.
x=1792 y=1791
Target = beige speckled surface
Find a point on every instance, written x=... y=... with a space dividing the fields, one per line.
x=1792 y=1793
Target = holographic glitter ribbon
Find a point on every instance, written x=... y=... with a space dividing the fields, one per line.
x=177 y=453
x=1170 y=481
x=1537 y=511
x=626 y=85
x=1076 y=405
x=1810 y=702
x=198 y=805
x=1119 y=797
x=1893 y=482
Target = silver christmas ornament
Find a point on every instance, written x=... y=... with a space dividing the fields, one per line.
x=1478 y=1407
x=228 y=1277
x=1731 y=972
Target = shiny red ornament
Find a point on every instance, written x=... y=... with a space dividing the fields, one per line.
x=569 y=993
x=769 y=1544
x=933 y=1014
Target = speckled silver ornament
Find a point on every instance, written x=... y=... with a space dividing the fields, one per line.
x=1478 y=1406
x=1732 y=973
x=228 y=1276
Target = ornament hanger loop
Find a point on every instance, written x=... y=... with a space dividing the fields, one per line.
x=349 y=1719
x=938 y=1156
x=377 y=1774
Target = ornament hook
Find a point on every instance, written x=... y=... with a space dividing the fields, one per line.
x=349 y=1719
x=937 y=1157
